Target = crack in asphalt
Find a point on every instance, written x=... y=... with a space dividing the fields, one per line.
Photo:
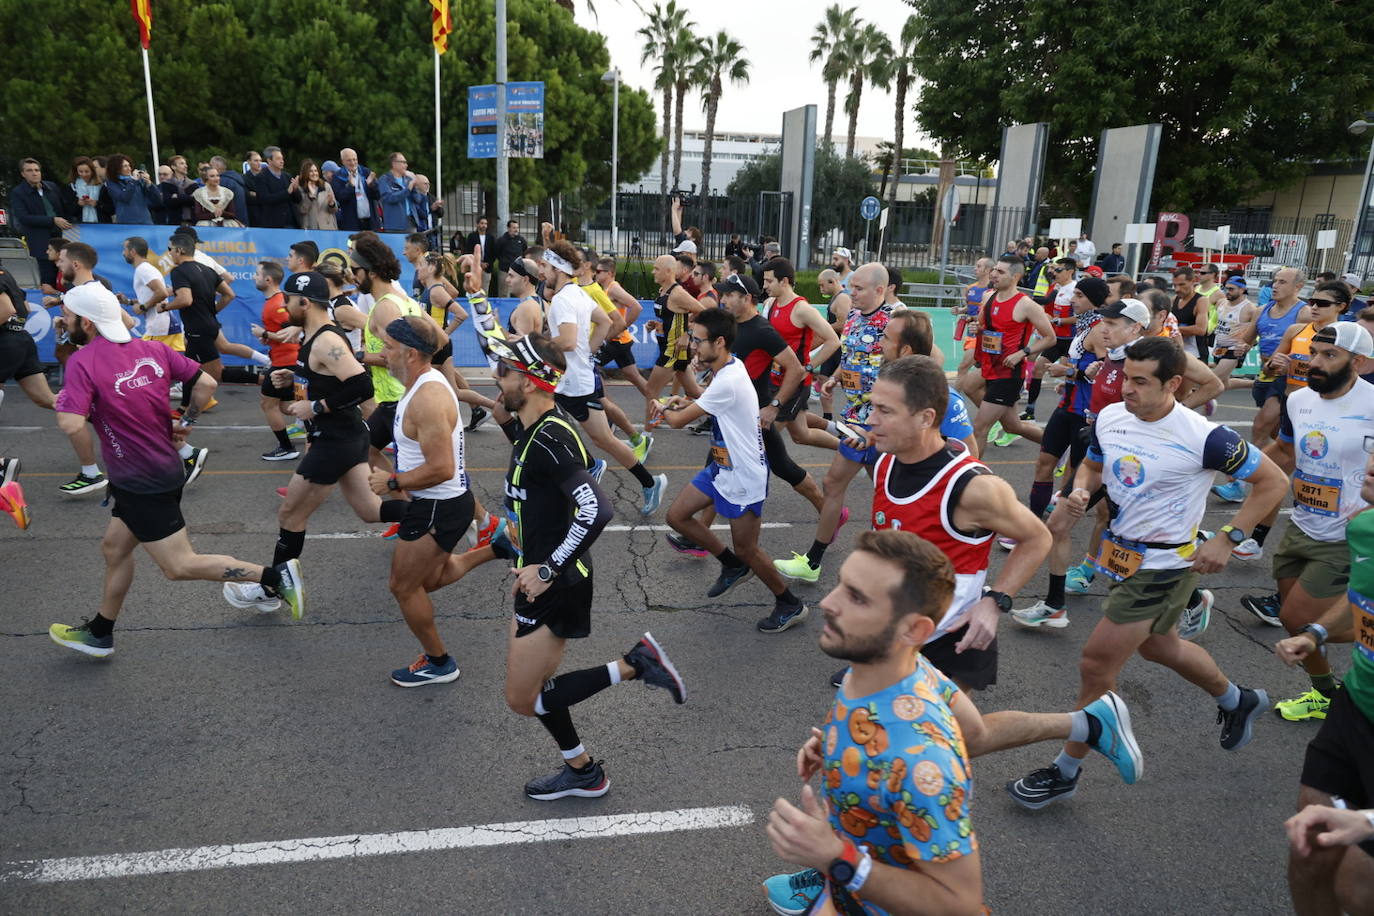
x=28 y=761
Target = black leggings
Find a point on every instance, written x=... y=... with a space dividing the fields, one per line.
x=779 y=462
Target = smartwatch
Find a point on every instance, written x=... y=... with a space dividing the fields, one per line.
x=1316 y=630
x=1234 y=533
x=317 y=407
x=546 y=573
x=393 y=484
x=843 y=869
x=1001 y=599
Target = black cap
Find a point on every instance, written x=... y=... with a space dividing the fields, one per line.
x=308 y=285
x=188 y=231
x=1094 y=289
x=739 y=283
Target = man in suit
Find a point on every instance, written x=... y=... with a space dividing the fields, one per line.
x=355 y=188
x=38 y=211
x=276 y=192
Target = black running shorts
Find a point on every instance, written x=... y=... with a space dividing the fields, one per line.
x=200 y=346
x=1340 y=759
x=616 y=353
x=1004 y=391
x=1061 y=435
x=380 y=425
x=567 y=612
x=794 y=406
x=446 y=520
x=975 y=669
x=269 y=390
x=1059 y=350
x=579 y=407
x=18 y=356
x=150 y=517
x=677 y=365
x=443 y=354
x=331 y=457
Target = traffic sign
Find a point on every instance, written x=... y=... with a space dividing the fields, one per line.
x=869 y=208
x=950 y=205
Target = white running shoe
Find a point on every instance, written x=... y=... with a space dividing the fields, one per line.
x=1041 y=614
x=1248 y=549
x=250 y=595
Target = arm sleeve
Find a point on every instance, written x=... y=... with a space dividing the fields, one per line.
x=1227 y=452
x=355 y=390
x=591 y=514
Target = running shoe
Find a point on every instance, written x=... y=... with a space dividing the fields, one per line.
x=653 y=496
x=1079 y=578
x=295 y=431
x=250 y=595
x=1194 y=621
x=82 y=639
x=9 y=469
x=1232 y=491
x=1248 y=549
x=477 y=416
x=211 y=405
x=1028 y=413
x=281 y=491
x=1209 y=408
x=784 y=617
x=702 y=428
x=83 y=485
x=1237 y=724
x=1311 y=705
x=13 y=504
x=682 y=545
x=392 y=532
x=566 y=781
x=1004 y=439
x=494 y=527
x=1039 y=788
x=280 y=454
x=792 y=895
x=1265 y=607
x=195 y=465
x=844 y=517
x=653 y=667
x=643 y=447
x=1115 y=740
x=174 y=392
x=1041 y=614
x=799 y=568
x=729 y=577
x=1059 y=470
x=598 y=469
x=422 y=671
x=292 y=587
x=1006 y=543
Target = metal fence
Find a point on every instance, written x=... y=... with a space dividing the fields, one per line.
x=1276 y=242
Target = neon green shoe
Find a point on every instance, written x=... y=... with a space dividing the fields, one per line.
x=1311 y=705
x=643 y=447
x=799 y=568
x=1004 y=439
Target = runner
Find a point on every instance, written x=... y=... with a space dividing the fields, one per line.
x=966 y=323
x=672 y=308
x=898 y=723
x=267 y=279
x=618 y=350
x=527 y=317
x=197 y=297
x=1322 y=435
x=556 y=511
x=223 y=296
x=735 y=479
x=1235 y=330
x=375 y=272
x=1161 y=456
x=1004 y=328
x=640 y=442
x=842 y=262
x=121 y=384
x=836 y=312
x=1189 y=308
x=809 y=336
x=1058 y=304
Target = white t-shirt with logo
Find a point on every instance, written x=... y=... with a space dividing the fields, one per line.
x=1328 y=443
x=731 y=401
x=572 y=305
x=155 y=324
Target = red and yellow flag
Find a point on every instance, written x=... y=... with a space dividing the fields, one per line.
x=143 y=14
x=441 y=24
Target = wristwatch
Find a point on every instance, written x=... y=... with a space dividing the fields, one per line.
x=1316 y=630
x=546 y=573
x=843 y=869
x=317 y=407
x=1001 y=599
x=776 y=403
x=393 y=484
x=1234 y=533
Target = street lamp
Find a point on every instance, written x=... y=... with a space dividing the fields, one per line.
x=1358 y=128
x=613 y=77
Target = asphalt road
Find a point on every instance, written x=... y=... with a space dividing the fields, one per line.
x=213 y=726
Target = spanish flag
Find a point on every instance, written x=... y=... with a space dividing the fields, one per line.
x=441 y=24
x=143 y=13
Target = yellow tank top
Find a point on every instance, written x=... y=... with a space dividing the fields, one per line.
x=600 y=297
x=1300 y=357
x=385 y=386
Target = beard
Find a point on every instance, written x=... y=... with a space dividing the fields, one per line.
x=861 y=650
x=77 y=334
x=1327 y=382
x=513 y=400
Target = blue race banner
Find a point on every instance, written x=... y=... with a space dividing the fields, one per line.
x=524 y=121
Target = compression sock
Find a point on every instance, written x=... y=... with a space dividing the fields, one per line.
x=729 y=560
x=816 y=554
x=101 y=626
x=1230 y=699
x=646 y=480
x=270 y=579
x=289 y=546
x=827 y=417
x=282 y=438
x=1040 y=494
x=559 y=724
x=571 y=688
x=1085 y=728
x=1055 y=596
x=1068 y=764
x=1033 y=393
x=1260 y=533
x=393 y=510
x=1325 y=684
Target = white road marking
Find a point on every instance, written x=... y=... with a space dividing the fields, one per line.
x=319 y=849
x=360 y=535
x=23 y=429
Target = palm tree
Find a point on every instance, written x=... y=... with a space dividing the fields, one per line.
x=868 y=52
x=721 y=58
x=684 y=52
x=829 y=42
x=664 y=24
x=899 y=69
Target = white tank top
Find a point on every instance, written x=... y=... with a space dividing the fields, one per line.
x=408 y=453
x=1328 y=445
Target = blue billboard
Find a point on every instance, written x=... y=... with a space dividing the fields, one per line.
x=524 y=121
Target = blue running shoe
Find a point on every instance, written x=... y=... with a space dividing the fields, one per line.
x=792 y=895
x=422 y=671
x=1232 y=492
x=729 y=577
x=1078 y=579
x=598 y=469
x=653 y=496
x=1115 y=740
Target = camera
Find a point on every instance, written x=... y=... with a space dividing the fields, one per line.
x=687 y=197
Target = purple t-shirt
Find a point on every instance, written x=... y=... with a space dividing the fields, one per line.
x=123 y=390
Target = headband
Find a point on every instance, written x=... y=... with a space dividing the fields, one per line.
x=521 y=354
x=401 y=331
x=558 y=261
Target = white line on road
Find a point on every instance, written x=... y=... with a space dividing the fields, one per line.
x=359 y=535
x=318 y=849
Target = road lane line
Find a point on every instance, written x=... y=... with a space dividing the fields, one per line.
x=319 y=849
x=352 y=535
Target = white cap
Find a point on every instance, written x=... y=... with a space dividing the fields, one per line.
x=1133 y=309
x=686 y=246
x=94 y=302
x=1347 y=335
x=1354 y=280
x=846 y=254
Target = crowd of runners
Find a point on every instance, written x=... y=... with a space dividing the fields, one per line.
x=362 y=369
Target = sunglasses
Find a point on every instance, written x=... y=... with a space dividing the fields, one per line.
x=504 y=369
x=1323 y=303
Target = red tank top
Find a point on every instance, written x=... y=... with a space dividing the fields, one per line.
x=1062 y=331
x=798 y=339
x=1107 y=386
x=1001 y=337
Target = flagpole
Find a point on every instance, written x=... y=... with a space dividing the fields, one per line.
x=438 y=147
x=152 y=123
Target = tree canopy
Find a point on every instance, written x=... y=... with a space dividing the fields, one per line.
x=839 y=184
x=234 y=75
x=1250 y=92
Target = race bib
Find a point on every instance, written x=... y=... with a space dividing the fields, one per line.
x=1219 y=352
x=992 y=342
x=720 y=455
x=513 y=532
x=1363 y=611
x=851 y=379
x=1119 y=558
x=1319 y=495
x=1297 y=370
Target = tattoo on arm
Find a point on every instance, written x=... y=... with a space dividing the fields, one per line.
x=235 y=572
x=190 y=414
x=336 y=352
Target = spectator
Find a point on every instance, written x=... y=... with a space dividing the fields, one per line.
x=398 y=205
x=167 y=212
x=355 y=189
x=771 y=250
x=277 y=192
x=36 y=208
x=232 y=181
x=734 y=248
x=1113 y=263
x=428 y=210
x=481 y=236
x=104 y=208
x=185 y=184
x=86 y=189
x=250 y=181
x=506 y=250
x=1086 y=252
x=327 y=170
x=132 y=192
x=317 y=203
x=214 y=203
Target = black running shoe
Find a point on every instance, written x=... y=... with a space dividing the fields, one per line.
x=1265 y=607
x=1028 y=413
x=784 y=617
x=653 y=667
x=567 y=781
x=1236 y=725
x=729 y=577
x=1042 y=787
x=701 y=429
x=682 y=545
x=837 y=679
x=478 y=417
